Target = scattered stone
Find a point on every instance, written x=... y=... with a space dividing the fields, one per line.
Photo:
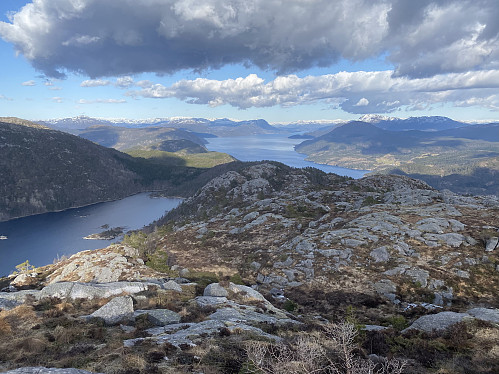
x=492 y=244
x=374 y=328
x=159 y=317
x=418 y=276
x=127 y=329
x=380 y=254
x=215 y=290
x=462 y=273
x=255 y=265
x=388 y=289
x=172 y=285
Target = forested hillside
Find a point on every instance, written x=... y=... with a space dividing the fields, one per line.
x=45 y=170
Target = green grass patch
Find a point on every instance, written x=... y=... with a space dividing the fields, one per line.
x=195 y=160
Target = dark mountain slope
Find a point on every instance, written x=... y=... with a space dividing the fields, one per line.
x=466 y=157
x=376 y=140
x=123 y=138
x=45 y=170
x=488 y=132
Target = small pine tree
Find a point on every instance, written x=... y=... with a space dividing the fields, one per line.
x=24 y=267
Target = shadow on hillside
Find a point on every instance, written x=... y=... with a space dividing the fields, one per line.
x=483 y=181
x=104 y=136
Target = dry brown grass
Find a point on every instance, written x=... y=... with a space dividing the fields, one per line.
x=5 y=327
x=31 y=345
x=22 y=317
x=64 y=335
x=133 y=361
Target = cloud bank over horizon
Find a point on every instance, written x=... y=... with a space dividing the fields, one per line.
x=346 y=90
x=444 y=51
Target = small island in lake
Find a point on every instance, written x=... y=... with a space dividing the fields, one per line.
x=110 y=234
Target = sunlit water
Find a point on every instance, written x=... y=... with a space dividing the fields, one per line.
x=272 y=147
x=45 y=237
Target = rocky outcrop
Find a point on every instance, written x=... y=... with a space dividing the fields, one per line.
x=87 y=291
x=240 y=310
x=112 y=264
x=302 y=229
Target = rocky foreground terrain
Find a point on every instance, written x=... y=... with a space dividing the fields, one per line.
x=270 y=269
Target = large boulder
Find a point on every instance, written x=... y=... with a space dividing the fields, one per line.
x=117 y=310
x=438 y=322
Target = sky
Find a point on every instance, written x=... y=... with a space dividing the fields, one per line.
x=280 y=60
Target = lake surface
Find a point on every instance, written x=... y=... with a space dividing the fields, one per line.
x=45 y=237
x=273 y=147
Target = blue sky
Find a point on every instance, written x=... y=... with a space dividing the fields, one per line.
x=308 y=60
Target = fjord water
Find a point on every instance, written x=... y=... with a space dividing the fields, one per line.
x=275 y=148
x=45 y=237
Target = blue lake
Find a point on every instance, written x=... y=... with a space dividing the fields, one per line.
x=45 y=237
x=273 y=147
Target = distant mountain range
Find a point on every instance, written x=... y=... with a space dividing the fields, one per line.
x=428 y=123
x=217 y=127
x=433 y=123
x=470 y=153
x=228 y=127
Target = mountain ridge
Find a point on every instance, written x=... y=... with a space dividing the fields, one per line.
x=48 y=170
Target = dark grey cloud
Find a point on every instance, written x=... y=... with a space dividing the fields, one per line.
x=426 y=38
x=118 y=37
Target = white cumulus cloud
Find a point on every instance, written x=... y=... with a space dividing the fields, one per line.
x=95 y=83
x=362 y=102
x=28 y=83
x=354 y=92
